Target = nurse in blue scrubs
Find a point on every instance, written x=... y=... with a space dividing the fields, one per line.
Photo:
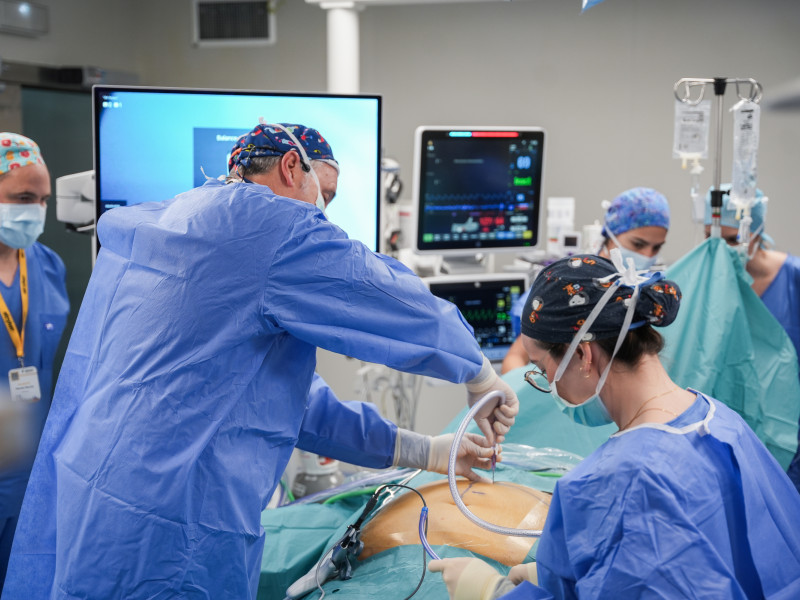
x=683 y=501
x=776 y=277
x=34 y=307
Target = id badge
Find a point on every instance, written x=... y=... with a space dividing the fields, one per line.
x=24 y=384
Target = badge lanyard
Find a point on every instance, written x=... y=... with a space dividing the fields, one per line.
x=18 y=335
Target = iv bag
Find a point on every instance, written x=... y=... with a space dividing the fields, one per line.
x=746 y=125
x=692 y=125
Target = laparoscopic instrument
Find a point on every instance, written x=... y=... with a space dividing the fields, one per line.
x=451 y=473
x=340 y=559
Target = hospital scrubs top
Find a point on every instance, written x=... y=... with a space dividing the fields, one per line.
x=186 y=383
x=782 y=298
x=654 y=514
x=48 y=306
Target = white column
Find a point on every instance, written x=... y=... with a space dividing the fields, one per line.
x=343 y=47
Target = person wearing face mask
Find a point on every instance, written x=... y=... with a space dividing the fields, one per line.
x=636 y=222
x=775 y=274
x=189 y=380
x=34 y=307
x=683 y=501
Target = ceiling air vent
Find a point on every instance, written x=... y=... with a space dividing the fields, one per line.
x=234 y=22
x=23 y=18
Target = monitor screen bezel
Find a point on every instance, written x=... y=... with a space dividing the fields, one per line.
x=99 y=90
x=497 y=246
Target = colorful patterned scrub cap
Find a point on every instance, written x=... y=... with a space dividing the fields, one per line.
x=758 y=211
x=637 y=207
x=267 y=140
x=18 y=151
x=564 y=294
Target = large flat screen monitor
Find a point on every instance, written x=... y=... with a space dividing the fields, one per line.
x=477 y=189
x=151 y=144
x=485 y=303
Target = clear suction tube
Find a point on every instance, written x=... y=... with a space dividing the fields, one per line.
x=451 y=474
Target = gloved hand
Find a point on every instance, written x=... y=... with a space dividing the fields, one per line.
x=475 y=451
x=433 y=453
x=524 y=572
x=467 y=578
x=495 y=418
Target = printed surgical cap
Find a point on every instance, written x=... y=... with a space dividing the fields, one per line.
x=18 y=151
x=564 y=294
x=266 y=140
x=634 y=208
x=758 y=211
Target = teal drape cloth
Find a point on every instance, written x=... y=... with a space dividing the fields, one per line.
x=726 y=344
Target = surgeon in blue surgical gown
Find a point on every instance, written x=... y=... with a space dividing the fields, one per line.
x=776 y=276
x=187 y=380
x=682 y=502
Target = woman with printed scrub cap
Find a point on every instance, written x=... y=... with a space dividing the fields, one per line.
x=636 y=222
x=682 y=502
x=34 y=306
x=776 y=275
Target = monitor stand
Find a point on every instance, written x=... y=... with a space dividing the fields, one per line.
x=463 y=264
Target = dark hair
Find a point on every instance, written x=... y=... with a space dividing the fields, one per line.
x=638 y=342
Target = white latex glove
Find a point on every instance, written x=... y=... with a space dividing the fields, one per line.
x=467 y=578
x=496 y=417
x=524 y=572
x=475 y=451
x=433 y=453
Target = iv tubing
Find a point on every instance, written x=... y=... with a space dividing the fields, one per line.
x=423 y=517
x=451 y=474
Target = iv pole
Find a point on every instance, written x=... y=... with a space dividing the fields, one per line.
x=719 y=84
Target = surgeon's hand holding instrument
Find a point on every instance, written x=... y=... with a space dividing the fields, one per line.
x=490 y=399
x=432 y=453
x=495 y=418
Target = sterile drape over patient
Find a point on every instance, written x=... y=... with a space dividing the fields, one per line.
x=726 y=343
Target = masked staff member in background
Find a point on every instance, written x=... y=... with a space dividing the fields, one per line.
x=636 y=222
x=34 y=307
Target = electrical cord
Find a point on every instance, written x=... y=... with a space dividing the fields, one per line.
x=423 y=530
x=353 y=530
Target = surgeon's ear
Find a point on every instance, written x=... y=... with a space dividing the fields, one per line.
x=291 y=169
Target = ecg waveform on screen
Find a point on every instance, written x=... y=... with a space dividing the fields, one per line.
x=475 y=315
x=482 y=199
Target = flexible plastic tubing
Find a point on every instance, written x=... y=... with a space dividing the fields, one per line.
x=423 y=516
x=372 y=480
x=351 y=494
x=451 y=474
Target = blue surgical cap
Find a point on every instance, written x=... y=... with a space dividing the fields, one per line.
x=634 y=208
x=268 y=140
x=758 y=211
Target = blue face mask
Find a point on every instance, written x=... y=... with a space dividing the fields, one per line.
x=592 y=413
x=21 y=224
x=640 y=261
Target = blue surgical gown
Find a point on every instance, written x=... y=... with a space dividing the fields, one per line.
x=47 y=315
x=185 y=388
x=652 y=514
x=782 y=298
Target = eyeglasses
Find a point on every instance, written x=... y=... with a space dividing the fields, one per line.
x=530 y=377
